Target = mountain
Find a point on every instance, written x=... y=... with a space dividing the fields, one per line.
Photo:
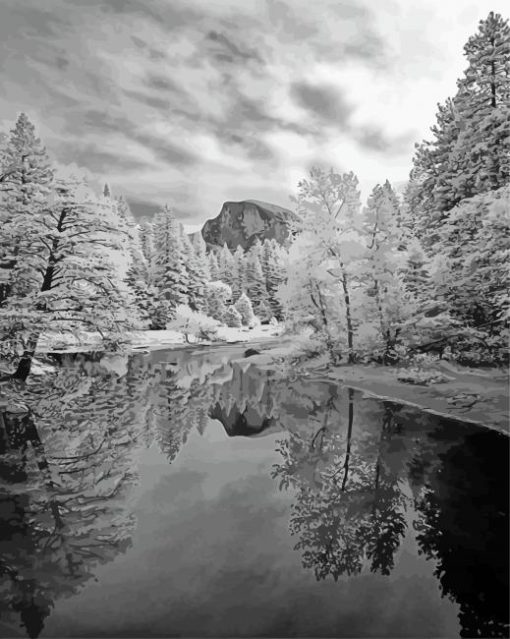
x=241 y=223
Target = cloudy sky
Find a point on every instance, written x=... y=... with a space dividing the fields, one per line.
x=194 y=102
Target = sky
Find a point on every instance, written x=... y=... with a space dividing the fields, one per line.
x=197 y=102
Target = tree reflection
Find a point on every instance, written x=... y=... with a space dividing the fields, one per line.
x=462 y=524
x=350 y=510
x=67 y=467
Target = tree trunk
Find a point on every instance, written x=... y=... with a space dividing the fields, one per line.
x=25 y=363
x=348 y=318
x=349 y=438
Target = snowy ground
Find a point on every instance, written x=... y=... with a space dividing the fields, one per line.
x=155 y=340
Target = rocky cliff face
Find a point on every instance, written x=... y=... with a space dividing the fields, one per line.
x=241 y=223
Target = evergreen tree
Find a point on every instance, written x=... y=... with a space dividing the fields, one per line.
x=195 y=276
x=416 y=274
x=25 y=185
x=63 y=278
x=147 y=243
x=274 y=274
x=255 y=285
x=213 y=267
x=144 y=293
x=170 y=275
x=202 y=258
x=244 y=307
x=106 y=191
x=239 y=283
x=226 y=266
x=482 y=153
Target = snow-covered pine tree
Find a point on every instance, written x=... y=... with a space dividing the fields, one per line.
x=245 y=309
x=26 y=177
x=143 y=292
x=201 y=253
x=63 y=278
x=169 y=272
x=416 y=273
x=273 y=269
x=239 y=283
x=213 y=267
x=255 y=285
x=226 y=266
x=147 y=243
x=429 y=192
x=195 y=275
x=482 y=152
x=233 y=317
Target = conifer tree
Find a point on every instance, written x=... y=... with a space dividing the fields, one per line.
x=482 y=153
x=26 y=179
x=144 y=294
x=63 y=277
x=255 y=285
x=245 y=309
x=239 y=283
x=170 y=275
x=213 y=267
x=226 y=266
x=195 y=276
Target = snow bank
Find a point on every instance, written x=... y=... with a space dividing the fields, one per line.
x=153 y=340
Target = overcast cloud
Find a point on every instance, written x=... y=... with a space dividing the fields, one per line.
x=194 y=102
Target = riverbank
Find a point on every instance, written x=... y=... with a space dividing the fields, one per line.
x=470 y=395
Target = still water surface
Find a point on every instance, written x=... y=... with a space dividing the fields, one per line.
x=196 y=494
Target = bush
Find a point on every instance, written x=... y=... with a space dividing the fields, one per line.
x=245 y=309
x=233 y=317
x=193 y=323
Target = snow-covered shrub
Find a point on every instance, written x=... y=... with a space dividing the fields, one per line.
x=245 y=309
x=217 y=295
x=233 y=317
x=193 y=323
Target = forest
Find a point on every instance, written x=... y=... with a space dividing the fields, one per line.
x=385 y=281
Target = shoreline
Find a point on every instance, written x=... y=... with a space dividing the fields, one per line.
x=476 y=397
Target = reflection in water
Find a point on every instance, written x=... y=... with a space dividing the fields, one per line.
x=363 y=476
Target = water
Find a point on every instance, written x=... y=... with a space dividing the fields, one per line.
x=194 y=494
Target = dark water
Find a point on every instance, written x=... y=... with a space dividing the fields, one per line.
x=180 y=494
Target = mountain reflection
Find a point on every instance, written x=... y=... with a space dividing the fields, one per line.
x=363 y=476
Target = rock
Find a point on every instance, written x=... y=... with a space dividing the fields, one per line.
x=250 y=352
x=241 y=223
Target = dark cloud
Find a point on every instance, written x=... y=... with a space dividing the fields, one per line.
x=373 y=138
x=163 y=149
x=323 y=101
x=226 y=50
x=161 y=83
x=153 y=101
x=143 y=208
x=99 y=160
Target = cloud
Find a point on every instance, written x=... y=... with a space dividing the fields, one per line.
x=325 y=102
x=194 y=102
x=375 y=139
x=226 y=50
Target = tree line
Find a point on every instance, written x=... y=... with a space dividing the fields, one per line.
x=428 y=271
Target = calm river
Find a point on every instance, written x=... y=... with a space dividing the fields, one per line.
x=195 y=494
